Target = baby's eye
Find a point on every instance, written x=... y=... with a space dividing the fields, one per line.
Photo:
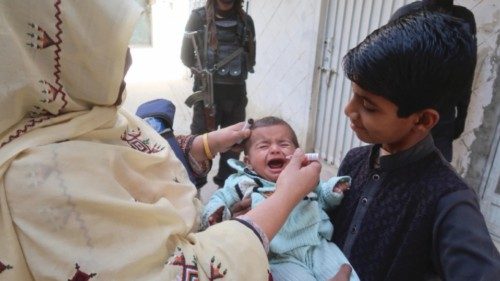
x=262 y=146
x=285 y=144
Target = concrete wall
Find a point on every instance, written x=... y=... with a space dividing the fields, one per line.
x=472 y=149
x=286 y=32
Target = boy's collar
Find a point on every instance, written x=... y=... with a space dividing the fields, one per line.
x=402 y=158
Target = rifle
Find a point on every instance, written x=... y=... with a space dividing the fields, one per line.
x=206 y=92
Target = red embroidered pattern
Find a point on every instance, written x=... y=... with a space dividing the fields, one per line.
x=215 y=272
x=80 y=275
x=40 y=39
x=4 y=267
x=30 y=123
x=133 y=138
x=190 y=271
x=44 y=41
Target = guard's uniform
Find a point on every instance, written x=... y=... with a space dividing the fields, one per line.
x=230 y=97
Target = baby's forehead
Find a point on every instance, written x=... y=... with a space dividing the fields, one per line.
x=271 y=132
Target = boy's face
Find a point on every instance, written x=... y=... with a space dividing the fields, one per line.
x=374 y=119
x=267 y=151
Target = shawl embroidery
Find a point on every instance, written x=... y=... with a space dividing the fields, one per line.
x=136 y=141
x=65 y=139
x=4 y=267
x=80 y=275
x=39 y=39
x=190 y=271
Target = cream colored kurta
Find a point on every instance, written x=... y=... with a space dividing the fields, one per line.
x=87 y=190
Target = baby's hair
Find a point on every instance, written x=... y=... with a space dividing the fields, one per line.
x=267 y=122
x=421 y=60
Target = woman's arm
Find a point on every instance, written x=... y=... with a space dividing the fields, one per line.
x=218 y=141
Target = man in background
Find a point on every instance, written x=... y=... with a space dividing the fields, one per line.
x=223 y=30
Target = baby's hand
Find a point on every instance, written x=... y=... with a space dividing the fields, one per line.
x=341 y=186
x=216 y=217
x=241 y=207
x=343 y=274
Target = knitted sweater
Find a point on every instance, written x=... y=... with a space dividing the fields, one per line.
x=306 y=225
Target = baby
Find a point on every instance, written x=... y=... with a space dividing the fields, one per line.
x=302 y=249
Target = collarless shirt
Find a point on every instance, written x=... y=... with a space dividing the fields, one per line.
x=461 y=248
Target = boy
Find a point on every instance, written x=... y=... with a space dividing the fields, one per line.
x=408 y=215
x=301 y=250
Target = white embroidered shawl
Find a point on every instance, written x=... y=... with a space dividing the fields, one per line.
x=87 y=190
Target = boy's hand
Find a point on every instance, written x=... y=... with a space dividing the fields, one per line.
x=299 y=177
x=344 y=273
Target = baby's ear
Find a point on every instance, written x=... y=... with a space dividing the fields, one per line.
x=426 y=119
x=246 y=160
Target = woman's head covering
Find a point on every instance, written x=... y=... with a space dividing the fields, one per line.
x=59 y=59
x=79 y=176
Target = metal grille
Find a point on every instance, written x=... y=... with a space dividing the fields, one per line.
x=348 y=22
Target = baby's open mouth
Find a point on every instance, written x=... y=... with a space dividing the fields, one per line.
x=276 y=163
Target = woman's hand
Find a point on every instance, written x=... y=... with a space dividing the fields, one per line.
x=227 y=138
x=299 y=177
x=218 y=141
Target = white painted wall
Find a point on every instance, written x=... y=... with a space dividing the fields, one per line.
x=286 y=32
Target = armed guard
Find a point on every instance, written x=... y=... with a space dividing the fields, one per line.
x=219 y=48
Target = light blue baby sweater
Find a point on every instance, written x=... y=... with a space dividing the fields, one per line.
x=306 y=225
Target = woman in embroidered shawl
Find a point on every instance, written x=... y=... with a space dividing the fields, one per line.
x=88 y=190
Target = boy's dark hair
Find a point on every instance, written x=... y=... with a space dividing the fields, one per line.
x=422 y=60
x=267 y=122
